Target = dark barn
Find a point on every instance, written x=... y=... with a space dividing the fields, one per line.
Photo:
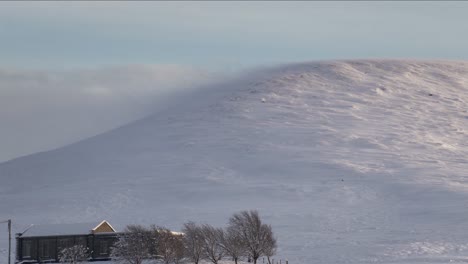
x=43 y=243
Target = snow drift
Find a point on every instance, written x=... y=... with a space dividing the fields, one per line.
x=350 y=161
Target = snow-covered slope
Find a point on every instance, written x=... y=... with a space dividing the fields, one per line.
x=350 y=161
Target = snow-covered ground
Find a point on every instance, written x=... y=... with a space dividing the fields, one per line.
x=350 y=161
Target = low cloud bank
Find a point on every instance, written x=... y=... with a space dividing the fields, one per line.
x=42 y=110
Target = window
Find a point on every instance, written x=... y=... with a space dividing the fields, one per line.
x=83 y=241
x=27 y=246
x=104 y=248
x=44 y=248
x=64 y=243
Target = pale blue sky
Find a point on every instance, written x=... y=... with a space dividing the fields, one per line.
x=226 y=35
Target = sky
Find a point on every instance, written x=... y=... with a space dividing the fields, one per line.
x=227 y=35
x=70 y=70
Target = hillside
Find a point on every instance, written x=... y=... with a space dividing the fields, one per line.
x=350 y=161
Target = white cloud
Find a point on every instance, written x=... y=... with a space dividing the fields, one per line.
x=41 y=110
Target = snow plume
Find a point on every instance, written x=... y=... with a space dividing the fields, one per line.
x=41 y=110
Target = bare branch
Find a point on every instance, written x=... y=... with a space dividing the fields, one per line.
x=193 y=241
x=257 y=237
x=212 y=247
x=132 y=246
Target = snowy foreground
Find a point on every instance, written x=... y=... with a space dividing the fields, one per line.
x=350 y=161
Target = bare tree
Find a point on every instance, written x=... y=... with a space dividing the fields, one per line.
x=193 y=242
x=270 y=244
x=178 y=248
x=233 y=244
x=257 y=237
x=212 y=245
x=132 y=246
x=170 y=246
x=74 y=254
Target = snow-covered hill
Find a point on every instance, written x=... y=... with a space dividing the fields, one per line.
x=350 y=161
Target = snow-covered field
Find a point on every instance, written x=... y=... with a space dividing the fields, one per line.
x=350 y=161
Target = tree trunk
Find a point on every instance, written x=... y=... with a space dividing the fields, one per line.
x=235 y=260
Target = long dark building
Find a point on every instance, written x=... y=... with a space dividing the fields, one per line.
x=43 y=243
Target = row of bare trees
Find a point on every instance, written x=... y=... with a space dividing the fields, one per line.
x=245 y=237
x=137 y=243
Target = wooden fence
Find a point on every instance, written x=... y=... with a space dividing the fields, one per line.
x=275 y=261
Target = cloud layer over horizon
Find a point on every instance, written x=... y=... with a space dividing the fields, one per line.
x=42 y=110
